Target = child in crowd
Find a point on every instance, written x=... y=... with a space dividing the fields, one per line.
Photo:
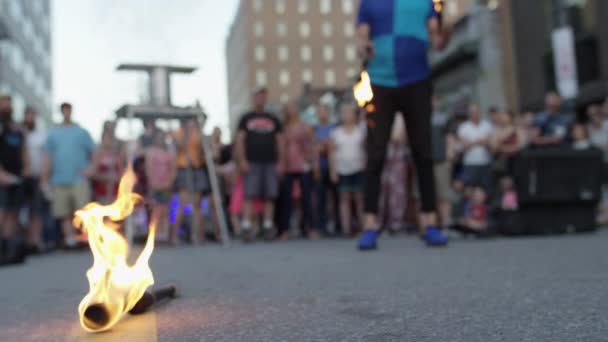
x=476 y=218
x=161 y=171
x=347 y=162
x=508 y=195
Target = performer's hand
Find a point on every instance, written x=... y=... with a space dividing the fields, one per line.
x=366 y=49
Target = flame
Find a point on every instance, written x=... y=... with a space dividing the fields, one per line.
x=363 y=90
x=114 y=286
x=438 y=5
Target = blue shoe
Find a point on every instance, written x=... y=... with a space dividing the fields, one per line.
x=368 y=240
x=434 y=237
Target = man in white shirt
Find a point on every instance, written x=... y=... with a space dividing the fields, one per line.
x=474 y=135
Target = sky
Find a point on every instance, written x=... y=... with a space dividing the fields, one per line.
x=92 y=37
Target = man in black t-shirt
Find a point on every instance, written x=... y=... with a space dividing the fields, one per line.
x=259 y=153
x=13 y=161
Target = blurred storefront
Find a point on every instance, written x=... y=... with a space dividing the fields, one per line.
x=529 y=27
x=502 y=54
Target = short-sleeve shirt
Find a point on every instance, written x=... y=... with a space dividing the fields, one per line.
x=349 y=149
x=70 y=149
x=476 y=155
x=401 y=39
x=12 y=144
x=557 y=125
x=323 y=135
x=261 y=130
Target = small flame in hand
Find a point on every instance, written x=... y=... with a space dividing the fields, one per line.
x=114 y=286
x=363 y=90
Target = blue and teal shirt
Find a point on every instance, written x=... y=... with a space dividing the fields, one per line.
x=400 y=35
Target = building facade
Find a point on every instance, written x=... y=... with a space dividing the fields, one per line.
x=25 y=56
x=529 y=67
x=289 y=46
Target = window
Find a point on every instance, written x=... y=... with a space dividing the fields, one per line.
x=328 y=53
x=284 y=77
x=305 y=53
x=327 y=29
x=351 y=73
x=281 y=29
x=259 y=29
x=306 y=76
x=279 y=6
x=349 y=29
x=257 y=5
x=261 y=78
x=347 y=6
x=302 y=6
x=325 y=6
x=304 y=29
x=283 y=53
x=260 y=53
x=330 y=78
x=351 y=53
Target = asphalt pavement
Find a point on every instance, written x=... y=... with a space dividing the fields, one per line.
x=517 y=289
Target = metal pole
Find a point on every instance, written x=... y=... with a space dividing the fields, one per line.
x=130 y=224
x=195 y=227
x=215 y=188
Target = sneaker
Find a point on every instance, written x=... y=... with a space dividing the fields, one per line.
x=435 y=237
x=368 y=240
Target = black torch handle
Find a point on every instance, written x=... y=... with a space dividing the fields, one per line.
x=165 y=293
x=150 y=298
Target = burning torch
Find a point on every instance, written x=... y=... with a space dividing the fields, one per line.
x=362 y=90
x=116 y=286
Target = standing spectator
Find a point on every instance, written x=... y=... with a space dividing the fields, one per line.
x=443 y=156
x=393 y=198
x=14 y=161
x=494 y=116
x=474 y=135
x=398 y=67
x=108 y=162
x=66 y=167
x=598 y=130
x=161 y=171
x=299 y=162
x=259 y=151
x=347 y=162
x=192 y=180
x=34 y=198
x=147 y=138
x=325 y=185
x=552 y=125
x=506 y=141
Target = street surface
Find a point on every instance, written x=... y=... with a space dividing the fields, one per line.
x=521 y=289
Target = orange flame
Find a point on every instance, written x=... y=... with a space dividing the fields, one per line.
x=114 y=286
x=363 y=90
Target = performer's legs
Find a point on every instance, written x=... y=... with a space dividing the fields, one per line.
x=415 y=103
x=379 y=126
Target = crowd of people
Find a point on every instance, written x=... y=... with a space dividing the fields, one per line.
x=282 y=177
